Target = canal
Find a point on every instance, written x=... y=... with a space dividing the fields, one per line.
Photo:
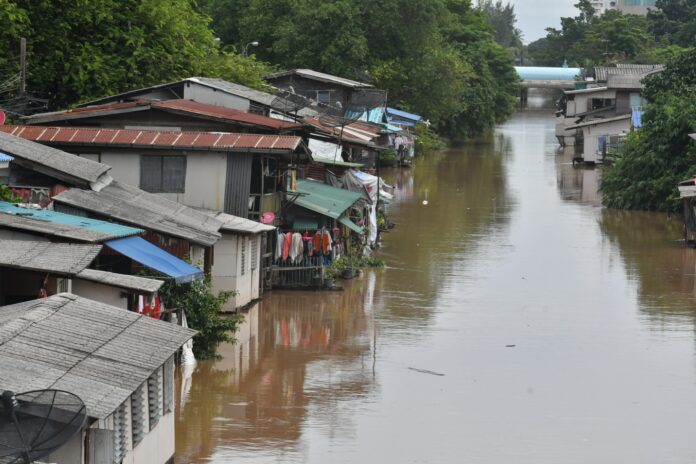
x=516 y=321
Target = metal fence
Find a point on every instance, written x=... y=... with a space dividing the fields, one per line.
x=305 y=272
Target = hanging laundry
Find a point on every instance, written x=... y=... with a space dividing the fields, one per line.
x=280 y=239
x=287 y=243
x=326 y=242
x=296 y=247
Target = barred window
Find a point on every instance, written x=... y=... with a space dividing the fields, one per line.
x=254 y=244
x=155 y=397
x=138 y=415
x=168 y=390
x=121 y=432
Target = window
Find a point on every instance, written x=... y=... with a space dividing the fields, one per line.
x=253 y=243
x=324 y=97
x=162 y=174
x=120 y=417
x=138 y=415
x=154 y=397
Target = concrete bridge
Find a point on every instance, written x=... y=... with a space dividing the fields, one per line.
x=536 y=77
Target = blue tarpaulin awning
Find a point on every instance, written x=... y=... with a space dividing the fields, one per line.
x=147 y=254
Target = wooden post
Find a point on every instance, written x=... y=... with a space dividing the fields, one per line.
x=23 y=65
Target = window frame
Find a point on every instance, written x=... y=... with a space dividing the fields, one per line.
x=162 y=187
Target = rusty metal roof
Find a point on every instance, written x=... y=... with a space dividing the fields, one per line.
x=179 y=106
x=48 y=160
x=195 y=140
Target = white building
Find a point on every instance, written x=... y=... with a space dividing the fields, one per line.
x=121 y=364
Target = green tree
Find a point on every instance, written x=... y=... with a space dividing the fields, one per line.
x=83 y=49
x=502 y=19
x=674 y=22
x=203 y=313
x=661 y=153
x=614 y=37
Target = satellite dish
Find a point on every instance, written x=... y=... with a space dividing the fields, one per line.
x=36 y=423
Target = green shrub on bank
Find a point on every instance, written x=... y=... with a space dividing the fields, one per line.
x=655 y=158
x=203 y=313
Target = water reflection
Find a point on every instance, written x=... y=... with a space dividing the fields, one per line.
x=577 y=183
x=657 y=261
x=296 y=351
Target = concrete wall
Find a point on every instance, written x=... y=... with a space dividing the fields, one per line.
x=631 y=8
x=203 y=94
x=205 y=175
x=100 y=292
x=582 y=101
x=591 y=136
x=69 y=453
x=227 y=268
x=157 y=446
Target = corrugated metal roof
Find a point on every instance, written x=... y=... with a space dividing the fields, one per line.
x=625 y=81
x=96 y=351
x=179 y=106
x=49 y=160
x=56 y=224
x=194 y=140
x=149 y=211
x=602 y=72
x=345 y=220
x=239 y=90
x=403 y=114
x=59 y=258
x=232 y=223
x=320 y=76
x=354 y=133
x=587 y=90
x=596 y=122
x=325 y=199
x=129 y=282
x=4 y=157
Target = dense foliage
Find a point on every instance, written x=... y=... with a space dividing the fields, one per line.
x=590 y=39
x=83 y=49
x=660 y=154
x=434 y=57
x=203 y=309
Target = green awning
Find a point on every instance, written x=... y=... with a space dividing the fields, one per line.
x=325 y=199
x=305 y=224
x=345 y=220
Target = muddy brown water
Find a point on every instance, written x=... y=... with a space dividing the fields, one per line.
x=517 y=321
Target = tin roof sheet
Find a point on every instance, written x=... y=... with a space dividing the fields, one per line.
x=178 y=106
x=59 y=258
x=62 y=225
x=232 y=223
x=210 y=141
x=596 y=122
x=128 y=282
x=320 y=76
x=325 y=199
x=96 y=351
x=17 y=142
x=149 y=211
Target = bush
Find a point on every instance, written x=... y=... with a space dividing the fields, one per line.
x=203 y=313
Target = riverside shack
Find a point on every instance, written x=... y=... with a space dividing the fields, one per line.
x=119 y=363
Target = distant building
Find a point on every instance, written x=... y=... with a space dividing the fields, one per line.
x=636 y=7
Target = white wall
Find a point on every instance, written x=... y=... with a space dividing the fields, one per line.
x=157 y=446
x=210 y=96
x=205 y=176
x=227 y=272
x=99 y=292
x=591 y=136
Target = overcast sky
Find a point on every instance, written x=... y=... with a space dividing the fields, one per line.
x=533 y=16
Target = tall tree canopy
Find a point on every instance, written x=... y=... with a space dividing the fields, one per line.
x=82 y=49
x=434 y=57
x=502 y=19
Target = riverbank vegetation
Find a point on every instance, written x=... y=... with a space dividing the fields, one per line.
x=437 y=58
x=656 y=157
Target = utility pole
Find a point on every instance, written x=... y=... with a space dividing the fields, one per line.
x=23 y=65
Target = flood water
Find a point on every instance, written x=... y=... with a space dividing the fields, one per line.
x=517 y=322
